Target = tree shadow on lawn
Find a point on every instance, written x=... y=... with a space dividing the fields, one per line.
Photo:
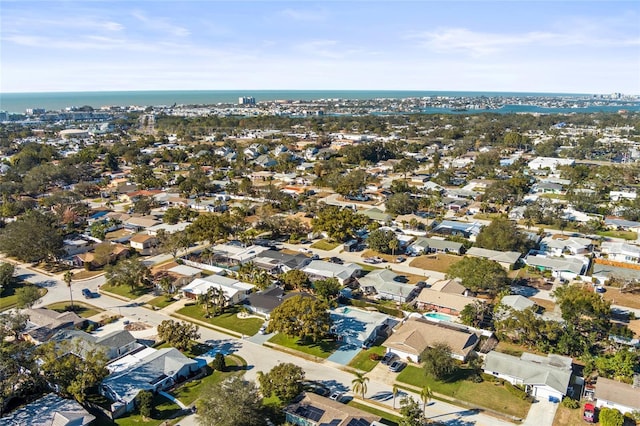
x=326 y=345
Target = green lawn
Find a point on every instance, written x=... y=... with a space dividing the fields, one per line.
x=191 y=391
x=195 y=350
x=125 y=290
x=229 y=320
x=9 y=298
x=321 y=349
x=82 y=309
x=163 y=410
x=161 y=302
x=362 y=360
x=324 y=245
x=627 y=235
x=387 y=418
x=486 y=394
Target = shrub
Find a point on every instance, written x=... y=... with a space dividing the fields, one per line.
x=375 y=357
x=516 y=391
x=570 y=403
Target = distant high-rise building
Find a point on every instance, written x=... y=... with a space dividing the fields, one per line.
x=4 y=116
x=35 y=111
x=247 y=100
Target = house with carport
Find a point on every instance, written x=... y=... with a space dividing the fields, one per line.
x=542 y=377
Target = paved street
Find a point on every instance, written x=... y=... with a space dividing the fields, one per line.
x=258 y=357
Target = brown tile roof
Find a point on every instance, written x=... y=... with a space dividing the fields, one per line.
x=416 y=335
x=617 y=392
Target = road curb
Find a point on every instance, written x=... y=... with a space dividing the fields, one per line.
x=207 y=325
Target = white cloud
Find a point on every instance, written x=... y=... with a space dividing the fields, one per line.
x=304 y=15
x=477 y=43
x=160 y=24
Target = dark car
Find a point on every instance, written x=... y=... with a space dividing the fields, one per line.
x=336 y=260
x=388 y=358
x=87 y=293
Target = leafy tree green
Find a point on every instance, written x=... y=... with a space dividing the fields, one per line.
x=412 y=414
x=171 y=215
x=437 y=361
x=379 y=240
x=351 y=184
x=473 y=314
x=232 y=402
x=479 y=274
x=401 y=203
x=339 y=224
x=621 y=365
x=503 y=235
x=219 y=362
x=31 y=238
x=211 y=227
x=327 y=289
x=6 y=275
x=302 y=317
x=584 y=310
x=283 y=381
x=295 y=279
x=27 y=296
x=178 y=334
x=20 y=376
x=144 y=401
x=610 y=417
x=72 y=367
x=129 y=272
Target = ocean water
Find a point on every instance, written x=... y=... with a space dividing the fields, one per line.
x=18 y=102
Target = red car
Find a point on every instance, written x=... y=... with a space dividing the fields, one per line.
x=589 y=413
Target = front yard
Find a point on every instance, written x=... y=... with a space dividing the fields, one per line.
x=191 y=391
x=322 y=349
x=324 y=245
x=161 y=301
x=489 y=395
x=435 y=262
x=126 y=291
x=82 y=309
x=363 y=360
x=228 y=320
x=163 y=410
x=9 y=297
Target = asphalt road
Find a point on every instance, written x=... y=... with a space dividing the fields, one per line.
x=258 y=357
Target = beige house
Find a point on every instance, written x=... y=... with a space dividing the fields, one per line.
x=446 y=296
x=621 y=396
x=414 y=336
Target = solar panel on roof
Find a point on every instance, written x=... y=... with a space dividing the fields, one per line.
x=314 y=414
x=358 y=422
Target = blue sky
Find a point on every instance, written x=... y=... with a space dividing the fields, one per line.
x=535 y=46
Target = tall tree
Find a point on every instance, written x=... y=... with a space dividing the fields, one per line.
x=426 y=395
x=295 y=279
x=411 y=413
x=327 y=289
x=302 y=317
x=437 y=361
x=479 y=274
x=31 y=238
x=503 y=235
x=6 y=275
x=129 y=272
x=27 y=296
x=68 y=277
x=359 y=384
x=283 y=381
x=232 y=402
x=339 y=224
x=178 y=334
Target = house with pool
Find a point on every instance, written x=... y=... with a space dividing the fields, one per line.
x=358 y=327
x=410 y=339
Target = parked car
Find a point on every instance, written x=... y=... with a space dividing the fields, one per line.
x=397 y=366
x=600 y=289
x=263 y=329
x=305 y=250
x=388 y=358
x=87 y=293
x=400 y=259
x=336 y=260
x=336 y=395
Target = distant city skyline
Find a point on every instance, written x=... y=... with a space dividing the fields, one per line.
x=532 y=46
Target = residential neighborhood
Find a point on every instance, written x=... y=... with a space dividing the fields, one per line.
x=345 y=270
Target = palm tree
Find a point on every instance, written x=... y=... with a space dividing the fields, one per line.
x=395 y=391
x=67 y=279
x=360 y=384
x=393 y=245
x=426 y=394
x=205 y=300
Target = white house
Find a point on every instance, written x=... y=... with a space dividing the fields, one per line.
x=543 y=377
x=549 y=163
x=621 y=396
x=559 y=245
x=320 y=269
x=621 y=252
x=234 y=291
x=358 y=327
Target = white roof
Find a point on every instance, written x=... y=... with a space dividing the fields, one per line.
x=241 y=254
x=126 y=362
x=330 y=270
x=620 y=248
x=185 y=270
x=230 y=286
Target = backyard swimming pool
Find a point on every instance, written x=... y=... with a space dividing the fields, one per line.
x=439 y=316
